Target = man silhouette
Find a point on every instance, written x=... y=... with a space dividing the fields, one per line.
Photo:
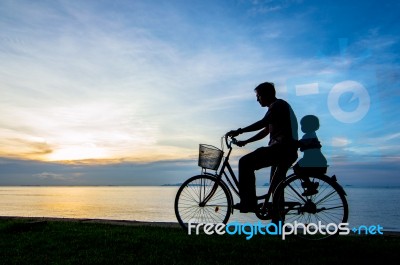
x=280 y=123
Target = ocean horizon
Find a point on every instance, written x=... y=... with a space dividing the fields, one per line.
x=368 y=205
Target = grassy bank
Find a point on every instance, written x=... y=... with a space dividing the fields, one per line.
x=49 y=242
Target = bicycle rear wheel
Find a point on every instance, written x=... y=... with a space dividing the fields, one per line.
x=318 y=216
x=203 y=199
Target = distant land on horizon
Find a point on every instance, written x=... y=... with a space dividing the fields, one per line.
x=179 y=184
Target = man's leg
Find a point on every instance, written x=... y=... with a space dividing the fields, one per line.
x=287 y=157
x=255 y=160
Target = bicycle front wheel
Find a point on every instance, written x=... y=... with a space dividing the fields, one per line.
x=203 y=199
x=317 y=216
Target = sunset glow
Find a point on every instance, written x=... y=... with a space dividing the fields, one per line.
x=99 y=82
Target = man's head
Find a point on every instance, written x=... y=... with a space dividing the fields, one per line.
x=265 y=93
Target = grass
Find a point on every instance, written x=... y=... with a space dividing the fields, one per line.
x=58 y=242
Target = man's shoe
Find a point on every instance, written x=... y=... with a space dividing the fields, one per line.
x=310 y=189
x=309 y=192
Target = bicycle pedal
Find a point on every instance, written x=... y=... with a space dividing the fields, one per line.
x=263 y=215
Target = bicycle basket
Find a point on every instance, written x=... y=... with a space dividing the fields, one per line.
x=209 y=156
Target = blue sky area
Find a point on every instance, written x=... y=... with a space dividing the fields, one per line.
x=122 y=92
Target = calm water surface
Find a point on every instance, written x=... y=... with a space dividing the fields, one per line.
x=368 y=206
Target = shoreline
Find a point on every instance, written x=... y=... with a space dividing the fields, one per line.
x=93 y=221
x=130 y=223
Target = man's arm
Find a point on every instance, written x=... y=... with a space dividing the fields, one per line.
x=254 y=127
x=261 y=124
x=260 y=135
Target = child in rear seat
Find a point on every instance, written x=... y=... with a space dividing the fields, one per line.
x=311 y=147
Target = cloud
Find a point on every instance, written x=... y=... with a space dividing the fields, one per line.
x=268 y=6
x=49 y=176
x=369 y=171
x=338 y=141
x=388 y=137
x=28 y=172
x=104 y=91
x=25 y=146
x=140 y=82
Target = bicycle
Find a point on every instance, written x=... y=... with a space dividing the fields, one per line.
x=207 y=198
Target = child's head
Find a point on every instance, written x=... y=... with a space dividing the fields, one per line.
x=309 y=123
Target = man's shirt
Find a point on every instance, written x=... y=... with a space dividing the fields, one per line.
x=282 y=123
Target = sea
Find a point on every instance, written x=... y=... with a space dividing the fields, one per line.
x=367 y=205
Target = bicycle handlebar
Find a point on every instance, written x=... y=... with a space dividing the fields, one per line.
x=232 y=141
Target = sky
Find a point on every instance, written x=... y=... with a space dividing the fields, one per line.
x=123 y=92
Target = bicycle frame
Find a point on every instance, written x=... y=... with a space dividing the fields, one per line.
x=233 y=181
x=231 y=178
